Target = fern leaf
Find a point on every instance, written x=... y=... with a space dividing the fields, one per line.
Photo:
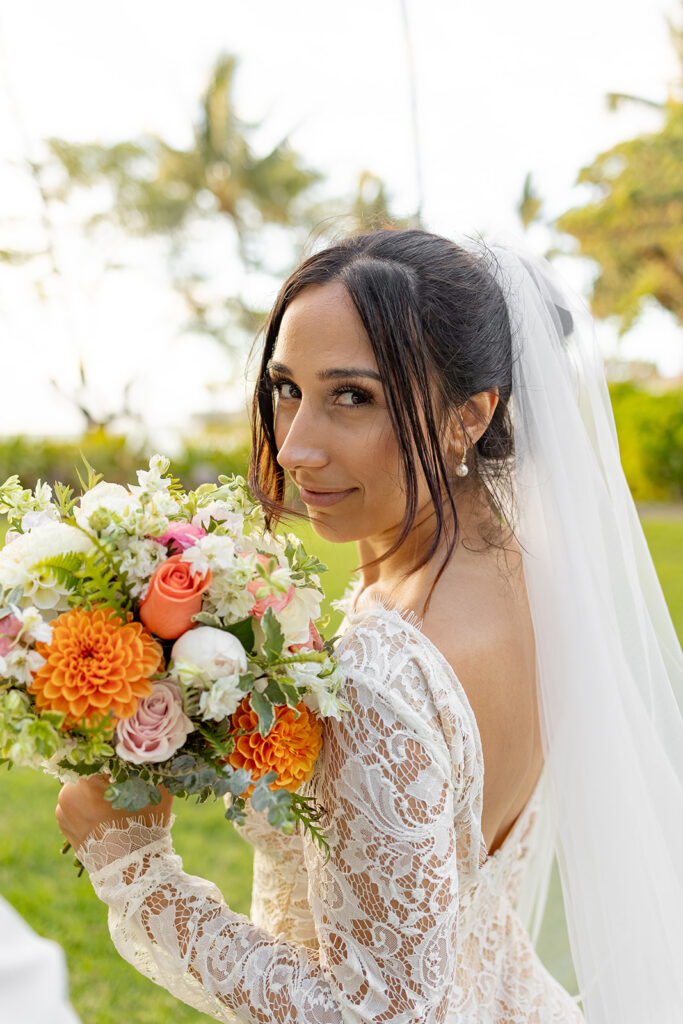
x=63 y=567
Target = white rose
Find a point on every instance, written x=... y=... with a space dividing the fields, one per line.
x=212 y=650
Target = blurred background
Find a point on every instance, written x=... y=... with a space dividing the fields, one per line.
x=162 y=168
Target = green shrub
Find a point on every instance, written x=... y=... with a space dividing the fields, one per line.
x=112 y=455
x=650 y=431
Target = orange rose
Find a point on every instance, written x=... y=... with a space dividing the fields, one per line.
x=173 y=597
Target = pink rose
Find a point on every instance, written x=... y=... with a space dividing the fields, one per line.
x=314 y=642
x=270 y=599
x=158 y=728
x=10 y=627
x=181 y=536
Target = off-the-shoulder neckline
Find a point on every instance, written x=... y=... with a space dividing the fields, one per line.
x=378 y=603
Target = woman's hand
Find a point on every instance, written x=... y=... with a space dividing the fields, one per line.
x=81 y=808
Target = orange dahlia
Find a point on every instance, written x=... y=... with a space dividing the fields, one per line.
x=95 y=664
x=290 y=748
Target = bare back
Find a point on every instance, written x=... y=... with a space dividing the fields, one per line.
x=478 y=617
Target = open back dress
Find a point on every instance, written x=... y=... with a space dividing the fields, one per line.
x=409 y=920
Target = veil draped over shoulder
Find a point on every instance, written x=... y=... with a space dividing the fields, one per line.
x=610 y=667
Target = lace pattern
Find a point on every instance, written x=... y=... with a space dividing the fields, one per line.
x=407 y=921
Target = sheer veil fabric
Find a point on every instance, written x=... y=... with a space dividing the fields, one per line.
x=610 y=668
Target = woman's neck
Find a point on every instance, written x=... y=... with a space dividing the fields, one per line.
x=388 y=576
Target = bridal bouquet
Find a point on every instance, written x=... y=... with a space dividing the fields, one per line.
x=163 y=637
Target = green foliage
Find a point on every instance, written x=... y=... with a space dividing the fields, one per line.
x=650 y=431
x=263 y=708
x=633 y=225
x=64 y=568
x=274 y=638
x=35 y=458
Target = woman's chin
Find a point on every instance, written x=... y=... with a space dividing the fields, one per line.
x=335 y=533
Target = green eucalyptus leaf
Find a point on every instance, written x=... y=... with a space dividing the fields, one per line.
x=132 y=795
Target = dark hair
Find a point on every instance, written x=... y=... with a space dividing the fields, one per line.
x=439 y=329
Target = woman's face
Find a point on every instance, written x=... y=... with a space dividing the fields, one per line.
x=332 y=426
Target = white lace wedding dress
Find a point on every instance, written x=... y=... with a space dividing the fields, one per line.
x=408 y=921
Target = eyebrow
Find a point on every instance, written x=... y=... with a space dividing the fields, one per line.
x=334 y=373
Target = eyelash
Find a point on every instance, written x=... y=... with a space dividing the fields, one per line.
x=276 y=383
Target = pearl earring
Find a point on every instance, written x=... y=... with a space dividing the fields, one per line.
x=461 y=469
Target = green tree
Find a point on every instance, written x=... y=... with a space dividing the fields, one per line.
x=215 y=195
x=633 y=226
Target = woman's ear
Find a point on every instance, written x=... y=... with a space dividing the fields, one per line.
x=469 y=421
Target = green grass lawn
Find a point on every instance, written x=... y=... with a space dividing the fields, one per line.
x=44 y=887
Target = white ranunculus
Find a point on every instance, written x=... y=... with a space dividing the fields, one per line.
x=106 y=498
x=295 y=618
x=214 y=652
x=19 y=559
x=222 y=699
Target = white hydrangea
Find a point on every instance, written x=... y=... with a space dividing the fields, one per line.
x=222 y=699
x=19 y=563
x=51 y=765
x=24 y=754
x=139 y=557
x=265 y=543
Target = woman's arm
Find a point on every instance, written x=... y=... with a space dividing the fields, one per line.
x=385 y=905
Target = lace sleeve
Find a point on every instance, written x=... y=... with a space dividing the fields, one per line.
x=279 y=896
x=385 y=905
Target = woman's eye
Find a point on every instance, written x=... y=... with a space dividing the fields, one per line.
x=351 y=396
x=284 y=389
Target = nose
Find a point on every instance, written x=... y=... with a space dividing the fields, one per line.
x=303 y=445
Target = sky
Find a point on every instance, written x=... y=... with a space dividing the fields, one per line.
x=502 y=89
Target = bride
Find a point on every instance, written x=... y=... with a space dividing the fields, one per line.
x=512 y=673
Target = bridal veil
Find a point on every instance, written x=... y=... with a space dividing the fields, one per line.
x=610 y=668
